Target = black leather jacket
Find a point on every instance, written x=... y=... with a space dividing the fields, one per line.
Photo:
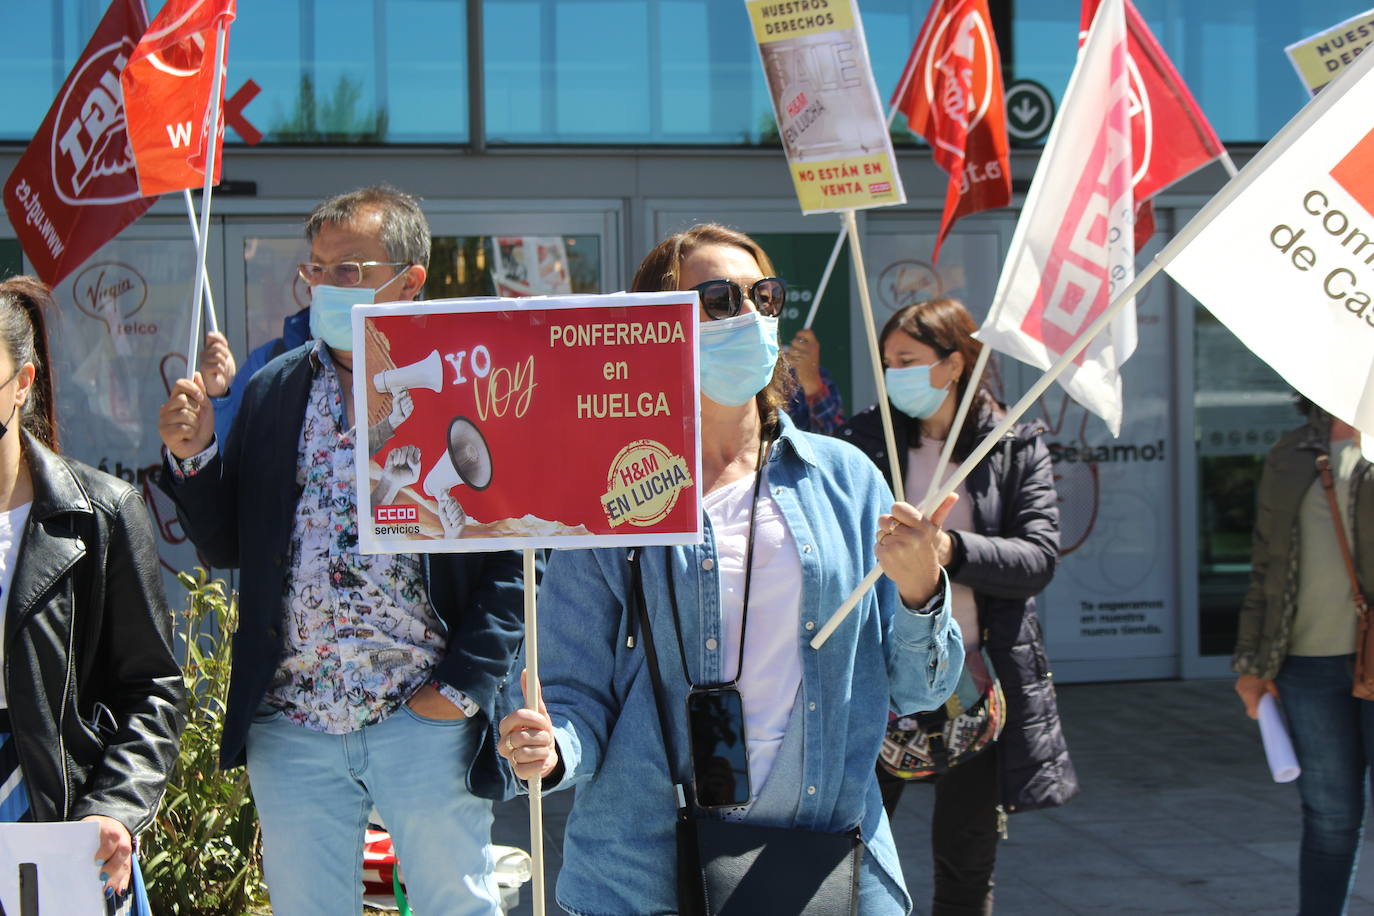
x=96 y=698
x=1007 y=560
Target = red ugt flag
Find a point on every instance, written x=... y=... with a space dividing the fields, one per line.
x=1170 y=136
x=74 y=188
x=951 y=94
x=167 y=87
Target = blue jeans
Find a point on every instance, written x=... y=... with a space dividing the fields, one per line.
x=1333 y=735
x=314 y=793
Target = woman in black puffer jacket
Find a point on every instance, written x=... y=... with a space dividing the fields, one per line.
x=1000 y=549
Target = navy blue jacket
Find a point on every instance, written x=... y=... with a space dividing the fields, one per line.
x=1007 y=559
x=295 y=330
x=240 y=509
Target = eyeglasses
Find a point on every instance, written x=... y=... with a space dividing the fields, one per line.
x=344 y=273
x=725 y=298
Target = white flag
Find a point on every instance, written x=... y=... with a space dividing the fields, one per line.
x=1284 y=254
x=1074 y=246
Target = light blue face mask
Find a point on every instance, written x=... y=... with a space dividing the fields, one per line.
x=909 y=388
x=331 y=307
x=737 y=357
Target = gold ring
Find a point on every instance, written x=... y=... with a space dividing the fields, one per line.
x=510 y=747
x=892 y=529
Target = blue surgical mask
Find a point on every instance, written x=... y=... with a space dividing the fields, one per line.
x=909 y=388
x=737 y=357
x=331 y=307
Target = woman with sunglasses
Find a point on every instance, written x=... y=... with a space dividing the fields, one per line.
x=793 y=522
x=91 y=698
x=999 y=548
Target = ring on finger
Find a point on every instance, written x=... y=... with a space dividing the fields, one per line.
x=892 y=529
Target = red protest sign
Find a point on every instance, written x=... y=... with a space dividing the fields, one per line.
x=502 y=423
x=74 y=188
x=167 y=88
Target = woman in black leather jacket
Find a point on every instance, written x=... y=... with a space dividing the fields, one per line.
x=92 y=700
x=999 y=548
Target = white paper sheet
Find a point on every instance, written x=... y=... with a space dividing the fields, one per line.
x=1278 y=747
x=68 y=876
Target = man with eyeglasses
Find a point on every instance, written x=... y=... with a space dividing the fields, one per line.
x=357 y=680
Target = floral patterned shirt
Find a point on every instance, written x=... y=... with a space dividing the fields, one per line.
x=360 y=633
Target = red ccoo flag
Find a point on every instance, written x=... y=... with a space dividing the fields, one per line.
x=167 y=87
x=1170 y=136
x=951 y=93
x=74 y=188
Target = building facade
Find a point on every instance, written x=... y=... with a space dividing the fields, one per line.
x=606 y=124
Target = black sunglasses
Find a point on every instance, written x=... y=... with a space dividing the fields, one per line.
x=725 y=298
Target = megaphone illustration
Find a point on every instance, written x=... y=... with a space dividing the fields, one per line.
x=427 y=373
x=467 y=460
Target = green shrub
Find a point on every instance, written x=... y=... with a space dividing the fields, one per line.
x=203 y=854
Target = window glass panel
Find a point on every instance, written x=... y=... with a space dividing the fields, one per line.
x=11 y=258
x=1229 y=53
x=463 y=265
x=342 y=71
x=1242 y=408
x=623 y=72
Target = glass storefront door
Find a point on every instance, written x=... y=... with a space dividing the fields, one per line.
x=473 y=254
x=1238 y=408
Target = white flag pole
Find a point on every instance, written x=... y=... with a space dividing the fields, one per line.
x=992 y=438
x=211 y=149
x=532 y=695
x=976 y=376
x=856 y=255
x=825 y=279
x=204 y=276
x=1185 y=236
x=1228 y=165
x=947 y=450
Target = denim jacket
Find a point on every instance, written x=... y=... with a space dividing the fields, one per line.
x=619 y=851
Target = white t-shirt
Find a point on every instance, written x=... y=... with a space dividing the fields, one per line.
x=11 y=533
x=771 y=677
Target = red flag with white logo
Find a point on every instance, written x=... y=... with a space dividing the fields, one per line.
x=75 y=188
x=167 y=88
x=951 y=93
x=1170 y=136
x=1073 y=246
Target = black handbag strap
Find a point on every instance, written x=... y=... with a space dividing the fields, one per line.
x=655 y=677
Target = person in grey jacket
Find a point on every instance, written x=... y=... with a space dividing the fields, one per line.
x=999 y=547
x=1296 y=640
